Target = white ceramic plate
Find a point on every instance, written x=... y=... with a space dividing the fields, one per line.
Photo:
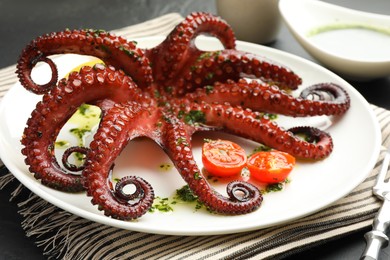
x=352 y=43
x=314 y=185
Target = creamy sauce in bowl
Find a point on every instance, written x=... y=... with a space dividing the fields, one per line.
x=351 y=41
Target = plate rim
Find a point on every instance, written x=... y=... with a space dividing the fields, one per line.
x=119 y=224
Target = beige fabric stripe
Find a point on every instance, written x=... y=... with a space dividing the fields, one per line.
x=7 y=79
x=310 y=239
x=159 y=26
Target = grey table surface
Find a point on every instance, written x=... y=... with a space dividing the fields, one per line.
x=23 y=20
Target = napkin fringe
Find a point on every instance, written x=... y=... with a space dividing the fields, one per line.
x=49 y=225
x=5 y=180
x=67 y=236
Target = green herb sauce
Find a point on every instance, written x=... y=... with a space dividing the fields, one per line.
x=162 y=205
x=336 y=26
x=354 y=41
x=194 y=117
x=85 y=118
x=260 y=148
x=62 y=144
x=275 y=187
x=185 y=194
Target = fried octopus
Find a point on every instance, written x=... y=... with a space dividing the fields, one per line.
x=166 y=93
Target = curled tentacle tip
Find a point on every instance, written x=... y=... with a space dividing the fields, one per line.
x=138 y=184
x=240 y=191
x=74 y=149
x=311 y=134
x=24 y=70
x=321 y=140
x=326 y=92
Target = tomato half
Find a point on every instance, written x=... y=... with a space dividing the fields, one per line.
x=271 y=166
x=223 y=158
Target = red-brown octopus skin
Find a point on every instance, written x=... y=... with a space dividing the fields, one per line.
x=155 y=101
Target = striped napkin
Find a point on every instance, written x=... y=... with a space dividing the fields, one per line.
x=64 y=235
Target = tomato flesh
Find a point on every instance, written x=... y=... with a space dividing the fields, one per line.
x=271 y=166
x=223 y=158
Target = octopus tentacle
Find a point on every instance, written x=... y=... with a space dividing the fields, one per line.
x=115 y=131
x=27 y=61
x=181 y=155
x=113 y=50
x=50 y=115
x=179 y=47
x=270 y=99
x=254 y=126
x=220 y=66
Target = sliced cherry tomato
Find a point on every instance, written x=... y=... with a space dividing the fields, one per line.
x=271 y=166
x=223 y=158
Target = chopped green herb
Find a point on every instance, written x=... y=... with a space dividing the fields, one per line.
x=95 y=33
x=157 y=94
x=194 y=117
x=62 y=144
x=180 y=114
x=186 y=194
x=162 y=103
x=271 y=116
x=169 y=89
x=80 y=133
x=181 y=140
x=129 y=53
x=162 y=205
x=99 y=31
x=261 y=148
x=276 y=186
x=210 y=75
x=209 y=89
x=197 y=176
x=166 y=119
x=267 y=116
x=204 y=55
x=83 y=109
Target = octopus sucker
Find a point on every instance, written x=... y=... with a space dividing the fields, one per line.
x=166 y=93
